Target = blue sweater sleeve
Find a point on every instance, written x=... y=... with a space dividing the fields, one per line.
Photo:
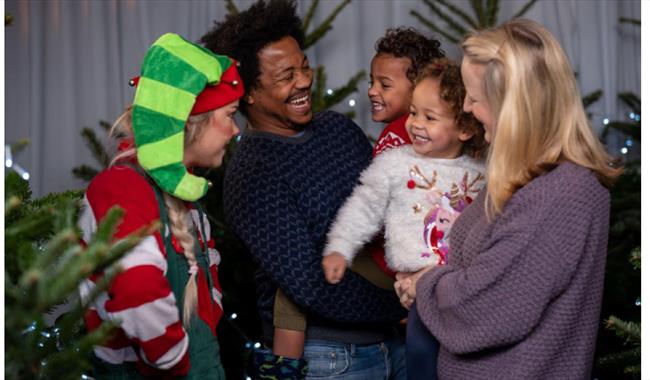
x=262 y=214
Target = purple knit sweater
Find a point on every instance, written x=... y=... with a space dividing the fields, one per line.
x=520 y=297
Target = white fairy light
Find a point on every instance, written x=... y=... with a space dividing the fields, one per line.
x=329 y=91
x=233 y=316
x=352 y=102
x=605 y=121
x=624 y=150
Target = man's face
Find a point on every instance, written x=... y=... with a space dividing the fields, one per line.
x=281 y=101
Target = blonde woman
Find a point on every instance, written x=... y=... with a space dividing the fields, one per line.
x=167 y=299
x=520 y=295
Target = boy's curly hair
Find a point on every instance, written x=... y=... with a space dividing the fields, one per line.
x=241 y=36
x=452 y=92
x=410 y=43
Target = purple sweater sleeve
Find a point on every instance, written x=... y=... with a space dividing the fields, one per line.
x=526 y=259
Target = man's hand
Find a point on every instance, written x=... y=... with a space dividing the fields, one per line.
x=334 y=267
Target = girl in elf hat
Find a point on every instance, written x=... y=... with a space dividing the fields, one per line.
x=167 y=299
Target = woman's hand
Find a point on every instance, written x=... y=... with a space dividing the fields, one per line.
x=405 y=286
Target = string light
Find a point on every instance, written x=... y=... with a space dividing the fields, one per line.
x=9 y=163
x=329 y=91
x=628 y=142
x=605 y=121
x=624 y=150
x=257 y=345
x=638 y=301
x=233 y=316
x=352 y=102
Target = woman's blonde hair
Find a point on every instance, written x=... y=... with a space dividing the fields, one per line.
x=540 y=120
x=180 y=222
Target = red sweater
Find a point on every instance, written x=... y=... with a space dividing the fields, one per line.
x=151 y=333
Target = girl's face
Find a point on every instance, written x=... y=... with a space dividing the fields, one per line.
x=390 y=89
x=431 y=125
x=475 y=99
x=207 y=150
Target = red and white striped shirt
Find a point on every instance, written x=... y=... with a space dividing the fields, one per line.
x=140 y=298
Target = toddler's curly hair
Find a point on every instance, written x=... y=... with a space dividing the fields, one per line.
x=452 y=92
x=410 y=43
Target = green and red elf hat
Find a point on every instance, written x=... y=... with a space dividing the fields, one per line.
x=178 y=79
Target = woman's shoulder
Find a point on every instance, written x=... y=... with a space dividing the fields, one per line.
x=120 y=183
x=568 y=185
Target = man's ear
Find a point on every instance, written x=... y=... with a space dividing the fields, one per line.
x=249 y=99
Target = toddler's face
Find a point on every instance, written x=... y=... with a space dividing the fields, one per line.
x=390 y=89
x=431 y=124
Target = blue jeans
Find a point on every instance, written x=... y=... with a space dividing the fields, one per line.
x=332 y=360
x=421 y=349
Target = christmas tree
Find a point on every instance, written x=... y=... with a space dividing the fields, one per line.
x=44 y=264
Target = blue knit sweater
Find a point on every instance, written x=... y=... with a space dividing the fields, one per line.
x=280 y=196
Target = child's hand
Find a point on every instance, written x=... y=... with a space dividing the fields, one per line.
x=334 y=267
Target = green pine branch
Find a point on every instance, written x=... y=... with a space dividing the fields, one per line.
x=479 y=12
x=635 y=258
x=524 y=9
x=99 y=152
x=629 y=331
x=631 y=100
x=231 y=7
x=44 y=263
x=492 y=11
x=320 y=31
x=458 y=22
x=310 y=15
x=96 y=148
x=342 y=92
x=433 y=27
x=8 y=19
x=627 y=20
x=452 y=24
x=591 y=98
x=460 y=13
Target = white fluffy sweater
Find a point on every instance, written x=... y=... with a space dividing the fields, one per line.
x=404 y=192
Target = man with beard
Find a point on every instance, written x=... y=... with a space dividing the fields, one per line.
x=291 y=172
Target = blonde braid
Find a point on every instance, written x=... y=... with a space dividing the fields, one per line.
x=179 y=224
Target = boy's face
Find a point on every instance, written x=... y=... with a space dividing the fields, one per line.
x=431 y=125
x=390 y=90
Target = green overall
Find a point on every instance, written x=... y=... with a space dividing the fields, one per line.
x=205 y=363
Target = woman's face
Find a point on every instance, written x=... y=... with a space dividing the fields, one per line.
x=207 y=150
x=475 y=100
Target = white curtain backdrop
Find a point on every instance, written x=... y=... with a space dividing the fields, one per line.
x=67 y=62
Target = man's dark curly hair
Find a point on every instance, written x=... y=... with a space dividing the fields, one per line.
x=452 y=92
x=410 y=43
x=241 y=36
